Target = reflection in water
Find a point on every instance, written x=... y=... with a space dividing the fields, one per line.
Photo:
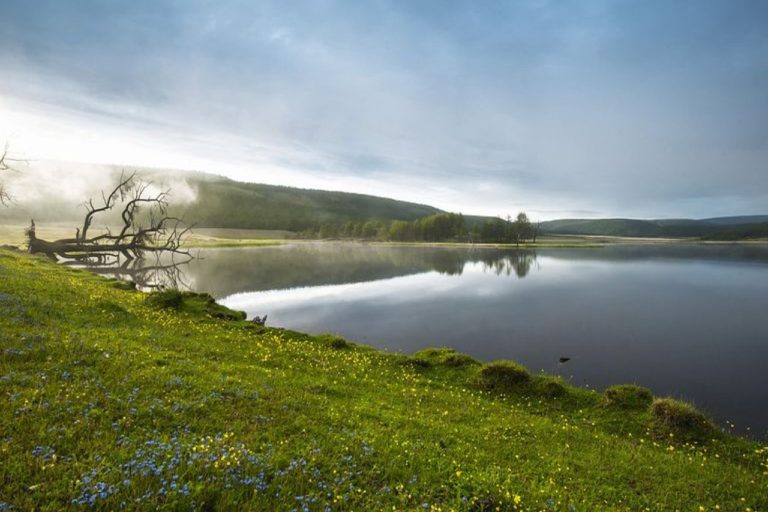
x=223 y=272
x=148 y=275
x=684 y=320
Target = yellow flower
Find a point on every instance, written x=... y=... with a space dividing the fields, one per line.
x=518 y=499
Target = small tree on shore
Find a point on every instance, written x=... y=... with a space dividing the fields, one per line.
x=523 y=227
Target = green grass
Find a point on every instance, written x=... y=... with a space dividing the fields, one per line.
x=113 y=399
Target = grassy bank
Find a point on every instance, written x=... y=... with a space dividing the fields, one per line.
x=114 y=399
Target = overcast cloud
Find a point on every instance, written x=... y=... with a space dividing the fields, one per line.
x=583 y=108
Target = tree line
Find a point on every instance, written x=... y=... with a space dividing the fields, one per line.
x=440 y=227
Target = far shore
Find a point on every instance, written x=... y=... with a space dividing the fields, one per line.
x=204 y=238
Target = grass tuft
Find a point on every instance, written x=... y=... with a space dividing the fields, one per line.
x=445 y=356
x=334 y=341
x=679 y=419
x=196 y=304
x=503 y=375
x=628 y=396
x=551 y=387
x=166 y=299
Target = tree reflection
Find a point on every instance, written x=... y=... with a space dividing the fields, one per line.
x=144 y=274
x=517 y=262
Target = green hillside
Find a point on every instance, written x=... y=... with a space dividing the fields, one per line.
x=725 y=228
x=225 y=203
x=740 y=232
x=116 y=400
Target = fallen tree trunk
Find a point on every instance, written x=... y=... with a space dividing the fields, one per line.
x=161 y=234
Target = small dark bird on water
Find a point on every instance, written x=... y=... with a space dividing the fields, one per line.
x=564 y=360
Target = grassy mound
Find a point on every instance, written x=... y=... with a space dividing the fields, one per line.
x=334 y=341
x=194 y=303
x=111 y=402
x=503 y=375
x=628 y=396
x=551 y=387
x=444 y=357
x=679 y=419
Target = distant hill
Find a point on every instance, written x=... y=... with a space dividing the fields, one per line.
x=719 y=228
x=742 y=220
x=224 y=203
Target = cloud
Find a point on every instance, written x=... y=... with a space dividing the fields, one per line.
x=619 y=108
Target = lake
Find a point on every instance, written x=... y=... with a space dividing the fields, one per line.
x=690 y=321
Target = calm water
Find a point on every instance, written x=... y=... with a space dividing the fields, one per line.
x=687 y=321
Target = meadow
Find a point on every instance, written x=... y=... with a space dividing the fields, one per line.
x=114 y=399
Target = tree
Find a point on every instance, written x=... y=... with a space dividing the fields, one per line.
x=535 y=231
x=146 y=228
x=523 y=227
x=495 y=230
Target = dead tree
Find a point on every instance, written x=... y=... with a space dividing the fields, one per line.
x=146 y=228
x=6 y=164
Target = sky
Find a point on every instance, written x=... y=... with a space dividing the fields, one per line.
x=632 y=108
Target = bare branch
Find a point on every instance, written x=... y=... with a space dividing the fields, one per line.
x=6 y=164
x=160 y=234
x=108 y=202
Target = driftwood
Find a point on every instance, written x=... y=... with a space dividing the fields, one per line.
x=146 y=229
x=258 y=320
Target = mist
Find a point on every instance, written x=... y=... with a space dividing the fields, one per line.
x=54 y=192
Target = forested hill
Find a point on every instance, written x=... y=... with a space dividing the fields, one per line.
x=224 y=203
x=726 y=228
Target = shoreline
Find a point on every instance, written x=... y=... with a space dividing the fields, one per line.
x=13 y=235
x=136 y=371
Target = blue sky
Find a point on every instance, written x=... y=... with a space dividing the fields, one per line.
x=562 y=108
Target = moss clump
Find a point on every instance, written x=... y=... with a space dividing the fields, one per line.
x=551 y=388
x=445 y=356
x=459 y=359
x=416 y=362
x=503 y=375
x=166 y=299
x=628 y=396
x=200 y=304
x=335 y=342
x=673 y=417
x=123 y=285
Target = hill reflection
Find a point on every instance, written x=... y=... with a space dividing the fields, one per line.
x=222 y=272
